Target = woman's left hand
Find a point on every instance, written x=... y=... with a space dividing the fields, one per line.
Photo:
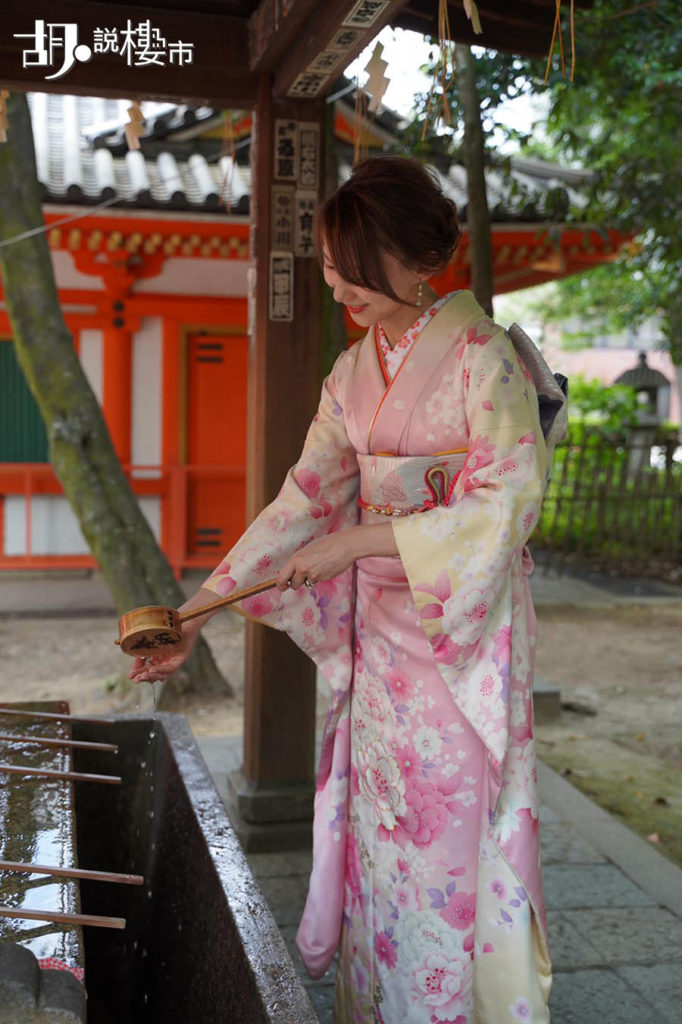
x=320 y=560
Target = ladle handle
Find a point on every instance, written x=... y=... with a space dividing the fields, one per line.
x=240 y=595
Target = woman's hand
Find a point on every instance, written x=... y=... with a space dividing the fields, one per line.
x=157 y=666
x=320 y=560
x=329 y=556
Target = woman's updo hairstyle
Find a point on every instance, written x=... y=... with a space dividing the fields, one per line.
x=389 y=204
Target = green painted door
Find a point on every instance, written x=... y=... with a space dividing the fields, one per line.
x=22 y=432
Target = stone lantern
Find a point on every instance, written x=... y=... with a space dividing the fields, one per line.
x=652 y=390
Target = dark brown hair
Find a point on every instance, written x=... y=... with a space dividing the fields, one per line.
x=389 y=204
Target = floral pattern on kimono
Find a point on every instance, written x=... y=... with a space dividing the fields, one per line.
x=426 y=791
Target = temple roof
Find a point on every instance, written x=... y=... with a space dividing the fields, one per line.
x=190 y=161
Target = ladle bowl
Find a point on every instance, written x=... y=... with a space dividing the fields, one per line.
x=154 y=628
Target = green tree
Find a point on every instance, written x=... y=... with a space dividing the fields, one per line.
x=621 y=119
x=80 y=448
x=456 y=121
x=612 y=298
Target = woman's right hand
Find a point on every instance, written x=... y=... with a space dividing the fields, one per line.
x=156 y=667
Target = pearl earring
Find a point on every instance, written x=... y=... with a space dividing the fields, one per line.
x=420 y=291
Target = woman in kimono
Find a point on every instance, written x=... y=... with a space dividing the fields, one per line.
x=398 y=540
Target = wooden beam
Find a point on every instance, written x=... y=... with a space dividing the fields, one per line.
x=340 y=29
x=219 y=71
x=529 y=42
x=271 y=33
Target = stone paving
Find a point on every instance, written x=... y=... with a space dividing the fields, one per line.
x=614 y=908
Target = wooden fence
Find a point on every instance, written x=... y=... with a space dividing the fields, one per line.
x=613 y=506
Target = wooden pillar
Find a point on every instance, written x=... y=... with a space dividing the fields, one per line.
x=275 y=788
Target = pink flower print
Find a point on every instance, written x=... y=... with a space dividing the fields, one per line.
x=224 y=584
x=322 y=510
x=309 y=482
x=481 y=454
x=460 y=911
x=405 y=897
x=407 y=759
x=472 y=338
x=258 y=606
x=439 y=983
x=308 y=617
x=520 y=1009
x=427 y=813
x=447 y=652
x=487 y=686
x=507 y=466
x=403 y=866
x=353 y=872
x=499 y=889
x=386 y=948
x=380 y=778
x=441 y=590
x=326 y=589
x=477 y=613
x=263 y=564
x=401 y=686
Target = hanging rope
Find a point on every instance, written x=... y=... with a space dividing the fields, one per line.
x=443 y=72
x=557 y=33
x=361 y=126
x=228 y=148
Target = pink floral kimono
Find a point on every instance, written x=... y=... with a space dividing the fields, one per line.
x=426 y=870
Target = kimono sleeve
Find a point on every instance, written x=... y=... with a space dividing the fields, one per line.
x=458 y=557
x=317 y=497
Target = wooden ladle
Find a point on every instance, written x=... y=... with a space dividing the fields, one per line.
x=156 y=628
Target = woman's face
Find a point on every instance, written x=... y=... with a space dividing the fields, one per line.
x=365 y=306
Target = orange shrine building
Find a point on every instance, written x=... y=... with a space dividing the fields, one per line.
x=151 y=256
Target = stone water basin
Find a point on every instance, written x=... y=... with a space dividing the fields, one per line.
x=200 y=945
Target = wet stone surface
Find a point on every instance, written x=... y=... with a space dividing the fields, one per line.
x=38 y=817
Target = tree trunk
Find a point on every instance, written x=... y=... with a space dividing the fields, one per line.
x=478 y=216
x=81 y=451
